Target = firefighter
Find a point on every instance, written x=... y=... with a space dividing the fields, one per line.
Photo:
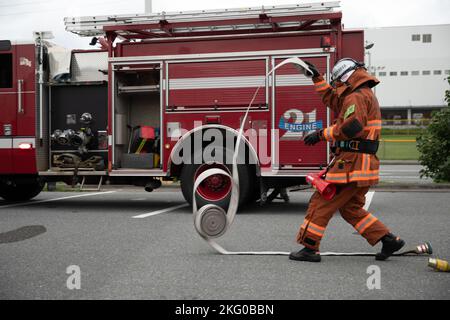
x=355 y=168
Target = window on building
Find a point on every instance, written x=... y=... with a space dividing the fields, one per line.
x=426 y=73
x=437 y=72
x=382 y=74
x=6 y=70
x=447 y=72
x=427 y=38
x=415 y=73
x=416 y=37
x=393 y=73
x=404 y=73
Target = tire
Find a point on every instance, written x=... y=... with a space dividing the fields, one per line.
x=247 y=178
x=21 y=191
x=255 y=192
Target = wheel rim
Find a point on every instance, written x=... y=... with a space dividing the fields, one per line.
x=215 y=187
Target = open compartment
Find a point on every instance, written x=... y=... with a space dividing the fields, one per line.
x=73 y=122
x=137 y=117
x=78 y=126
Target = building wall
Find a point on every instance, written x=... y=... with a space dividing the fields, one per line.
x=394 y=51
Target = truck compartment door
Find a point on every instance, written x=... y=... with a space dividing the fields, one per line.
x=24 y=145
x=298 y=111
x=219 y=92
x=26 y=97
x=216 y=85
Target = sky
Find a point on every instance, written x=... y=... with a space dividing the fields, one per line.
x=19 y=18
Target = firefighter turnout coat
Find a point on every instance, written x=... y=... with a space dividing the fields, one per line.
x=358 y=116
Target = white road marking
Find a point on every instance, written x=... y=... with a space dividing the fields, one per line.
x=57 y=199
x=154 y=213
x=369 y=197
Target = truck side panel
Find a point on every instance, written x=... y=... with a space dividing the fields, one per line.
x=353 y=45
x=194 y=85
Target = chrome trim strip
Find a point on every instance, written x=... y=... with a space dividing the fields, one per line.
x=235 y=82
x=216 y=82
x=5 y=143
x=17 y=141
x=14 y=143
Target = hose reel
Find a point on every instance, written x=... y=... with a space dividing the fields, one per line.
x=212 y=221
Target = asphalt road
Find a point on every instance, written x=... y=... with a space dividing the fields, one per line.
x=160 y=256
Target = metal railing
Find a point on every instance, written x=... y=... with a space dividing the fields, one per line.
x=404 y=127
x=405 y=122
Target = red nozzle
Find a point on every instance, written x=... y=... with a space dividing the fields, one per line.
x=326 y=189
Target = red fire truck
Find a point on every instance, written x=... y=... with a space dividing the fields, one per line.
x=127 y=113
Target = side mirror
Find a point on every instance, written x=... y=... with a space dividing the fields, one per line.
x=5 y=45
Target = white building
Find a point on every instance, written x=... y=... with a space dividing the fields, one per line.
x=412 y=64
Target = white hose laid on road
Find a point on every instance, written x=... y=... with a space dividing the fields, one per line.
x=212 y=222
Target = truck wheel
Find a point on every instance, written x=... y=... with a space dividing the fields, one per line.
x=21 y=191
x=216 y=189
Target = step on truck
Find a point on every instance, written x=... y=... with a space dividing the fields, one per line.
x=162 y=96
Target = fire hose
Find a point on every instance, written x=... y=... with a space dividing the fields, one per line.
x=212 y=221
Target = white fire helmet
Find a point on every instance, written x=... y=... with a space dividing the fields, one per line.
x=344 y=68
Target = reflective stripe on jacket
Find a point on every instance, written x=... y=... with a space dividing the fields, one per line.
x=358 y=116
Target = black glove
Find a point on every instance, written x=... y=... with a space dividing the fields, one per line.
x=313 y=138
x=314 y=70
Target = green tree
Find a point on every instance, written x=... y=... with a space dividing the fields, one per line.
x=434 y=145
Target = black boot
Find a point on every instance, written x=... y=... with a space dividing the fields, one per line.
x=305 y=255
x=391 y=244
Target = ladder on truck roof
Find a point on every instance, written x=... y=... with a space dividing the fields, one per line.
x=170 y=24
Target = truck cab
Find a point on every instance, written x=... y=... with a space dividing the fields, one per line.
x=18 y=173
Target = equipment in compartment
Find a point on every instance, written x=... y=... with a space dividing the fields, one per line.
x=80 y=139
x=78 y=123
x=102 y=137
x=140 y=80
x=142 y=148
x=142 y=140
x=71 y=161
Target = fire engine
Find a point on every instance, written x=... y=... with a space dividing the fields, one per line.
x=126 y=113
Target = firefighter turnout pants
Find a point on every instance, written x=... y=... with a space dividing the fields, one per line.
x=349 y=200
